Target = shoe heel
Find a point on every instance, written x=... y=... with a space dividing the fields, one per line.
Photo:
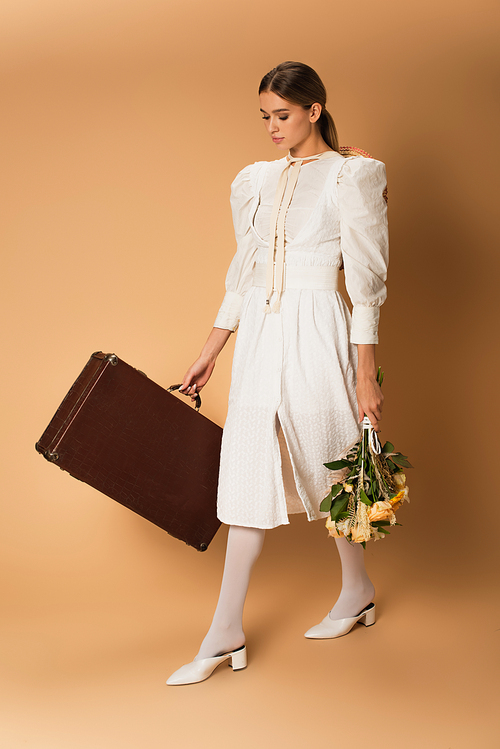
x=369 y=617
x=239 y=659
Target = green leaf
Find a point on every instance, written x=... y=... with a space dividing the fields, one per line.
x=380 y=376
x=402 y=460
x=339 y=505
x=326 y=503
x=388 y=448
x=364 y=498
x=342 y=515
x=337 y=465
x=380 y=523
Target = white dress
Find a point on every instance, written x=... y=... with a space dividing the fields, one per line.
x=292 y=401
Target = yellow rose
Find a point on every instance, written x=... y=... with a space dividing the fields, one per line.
x=332 y=530
x=400 y=497
x=358 y=535
x=347 y=487
x=380 y=510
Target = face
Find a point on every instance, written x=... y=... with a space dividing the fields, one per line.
x=289 y=125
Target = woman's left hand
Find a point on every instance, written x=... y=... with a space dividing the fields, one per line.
x=370 y=399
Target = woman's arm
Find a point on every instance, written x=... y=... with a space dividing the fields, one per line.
x=199 y=373
x=368 y=391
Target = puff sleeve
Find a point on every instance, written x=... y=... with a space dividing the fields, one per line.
x=239 y=275
x=364 y=239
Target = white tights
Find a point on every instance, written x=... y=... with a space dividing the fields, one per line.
x=226 y=631
x=243 y=548
x=357 y=588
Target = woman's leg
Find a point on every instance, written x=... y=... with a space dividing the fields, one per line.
x=357 y=588
x=226 y=631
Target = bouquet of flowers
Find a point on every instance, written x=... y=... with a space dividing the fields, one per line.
x=364 y=504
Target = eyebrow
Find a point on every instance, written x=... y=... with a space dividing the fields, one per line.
x=275 y=111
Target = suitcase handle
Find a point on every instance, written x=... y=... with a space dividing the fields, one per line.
x=197 y=401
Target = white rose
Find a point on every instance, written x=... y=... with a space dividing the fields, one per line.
x=399 y=479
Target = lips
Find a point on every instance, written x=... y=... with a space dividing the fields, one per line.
x=277 y=140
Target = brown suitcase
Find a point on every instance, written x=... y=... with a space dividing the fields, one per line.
x=134 y=441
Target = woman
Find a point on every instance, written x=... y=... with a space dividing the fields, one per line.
x=304 y=373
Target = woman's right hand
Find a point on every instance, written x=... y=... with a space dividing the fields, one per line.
x=199 y=373
x=197 y=376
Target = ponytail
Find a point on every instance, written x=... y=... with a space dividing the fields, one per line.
x=328 y=130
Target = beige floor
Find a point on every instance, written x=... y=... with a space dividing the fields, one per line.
x=86 y=653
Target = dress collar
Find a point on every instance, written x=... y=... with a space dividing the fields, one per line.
x=316 y=156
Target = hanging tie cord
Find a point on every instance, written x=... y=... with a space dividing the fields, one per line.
x=282 y=199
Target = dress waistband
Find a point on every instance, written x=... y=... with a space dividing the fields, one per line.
x=301 y=276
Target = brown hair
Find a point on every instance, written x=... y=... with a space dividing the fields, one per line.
x=301 y=85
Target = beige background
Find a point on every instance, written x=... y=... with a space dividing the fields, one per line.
x=123 y=125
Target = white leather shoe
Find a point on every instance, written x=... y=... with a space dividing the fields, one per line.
x=330 y=628
x=200 y=670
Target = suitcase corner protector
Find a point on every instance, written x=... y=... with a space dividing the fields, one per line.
x=52 y=457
